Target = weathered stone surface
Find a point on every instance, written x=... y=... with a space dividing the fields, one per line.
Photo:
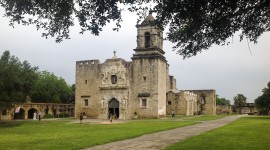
x=133 y=89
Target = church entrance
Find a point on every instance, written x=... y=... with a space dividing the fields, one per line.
x=113 y=108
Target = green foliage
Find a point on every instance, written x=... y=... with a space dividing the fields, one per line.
x=63 y=115
x=48 y=116
x=222 y=101
x=16 y=80
x=51 y=89
x=245 y=133
x=193 y=25
x=239 y=101
x=263 y=101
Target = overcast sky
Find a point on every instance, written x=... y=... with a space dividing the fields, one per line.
x=230 y=70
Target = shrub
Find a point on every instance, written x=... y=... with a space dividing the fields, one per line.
x=48 y=116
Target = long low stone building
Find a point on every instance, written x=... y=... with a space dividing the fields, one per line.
x=27 y=110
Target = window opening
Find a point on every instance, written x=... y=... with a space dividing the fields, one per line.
x=114 y=79
x=85 y=102
x=144 y=102
x=147 y=39
x=144 y=78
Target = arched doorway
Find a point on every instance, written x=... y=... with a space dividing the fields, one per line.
x=19 y=115
x=114 y=107
x=201 y=104
x=31 y=113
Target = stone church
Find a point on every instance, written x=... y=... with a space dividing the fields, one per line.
x=138 y=88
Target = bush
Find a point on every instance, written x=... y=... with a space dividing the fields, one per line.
x=62 y=115
x=48 y=116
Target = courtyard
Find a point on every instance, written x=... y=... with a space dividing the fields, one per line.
x=244 y=133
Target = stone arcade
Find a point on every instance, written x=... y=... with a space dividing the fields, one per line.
x=141 y=87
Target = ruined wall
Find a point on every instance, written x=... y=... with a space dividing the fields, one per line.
x=224 y=109
x=172 y=102
x=182 y=102
x=206 y=99
x=172 y=83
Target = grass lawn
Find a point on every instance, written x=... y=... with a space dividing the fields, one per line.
x=59 y=134
x=247 y=133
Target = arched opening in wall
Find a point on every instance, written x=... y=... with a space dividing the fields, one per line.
x=20 y=114
x=31 y=113
x=46 y=110
x=201 y=104
x=147 y=39
x=54 y=108
x=113 y=108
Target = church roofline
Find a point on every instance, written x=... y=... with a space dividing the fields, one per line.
x=201 y=90
x=116 y=59
x=174 y=91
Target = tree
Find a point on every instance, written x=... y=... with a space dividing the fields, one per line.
x=51 y=89
x=263 y=101
x=222 y=101
x=16 y=81
x=194 y=25
x=239 y=101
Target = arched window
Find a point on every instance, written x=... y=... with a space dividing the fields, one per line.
x=147 y=39
x=113 y=79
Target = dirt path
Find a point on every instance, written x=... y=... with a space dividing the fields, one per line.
x=160 y=140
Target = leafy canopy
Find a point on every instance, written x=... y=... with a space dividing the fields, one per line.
x=239 y=100
x=263 y=101
x=16 y=80
x=194 y=25
x=222 y=101
x=51 y=89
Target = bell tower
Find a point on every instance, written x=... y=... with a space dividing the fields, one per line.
x=149 y=40
x=150 y=69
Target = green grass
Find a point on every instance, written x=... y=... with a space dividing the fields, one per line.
x=247 y=133
x=62 y=135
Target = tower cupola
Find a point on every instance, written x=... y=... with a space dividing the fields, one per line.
x=149 y=39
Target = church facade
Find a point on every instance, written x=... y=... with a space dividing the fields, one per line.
x=141 y=87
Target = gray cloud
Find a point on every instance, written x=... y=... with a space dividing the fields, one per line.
x=227 y=69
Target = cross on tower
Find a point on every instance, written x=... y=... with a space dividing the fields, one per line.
x=114 y=54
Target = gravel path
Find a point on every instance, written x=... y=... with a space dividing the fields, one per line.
x=160 y=140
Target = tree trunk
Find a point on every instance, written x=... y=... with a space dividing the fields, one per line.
x=240 y=110
x=0 y=115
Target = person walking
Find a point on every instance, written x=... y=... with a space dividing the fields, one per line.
x=173 y=115
x=39 y=115
x=81 y=118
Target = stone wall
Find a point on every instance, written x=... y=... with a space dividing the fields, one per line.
x=182 y=103
x=87 y=91
x=206 y=101
x=26 y=110
x=224 y=109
